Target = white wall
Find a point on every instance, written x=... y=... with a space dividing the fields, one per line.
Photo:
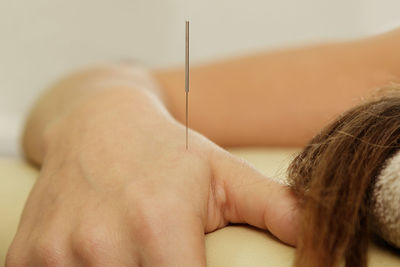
x=42 y=39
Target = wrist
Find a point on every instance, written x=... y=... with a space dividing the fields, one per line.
x=111 y=115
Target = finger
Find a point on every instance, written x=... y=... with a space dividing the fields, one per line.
x=177 y=241
x=255 y=199
x=46 y=242
x=50 y=249
x=103 y=243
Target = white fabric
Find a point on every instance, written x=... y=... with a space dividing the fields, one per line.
x=386 y=201
x=10 y=129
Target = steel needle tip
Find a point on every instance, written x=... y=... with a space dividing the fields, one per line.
x=187 y=96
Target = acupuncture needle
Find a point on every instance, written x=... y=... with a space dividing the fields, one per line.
x=187 y=77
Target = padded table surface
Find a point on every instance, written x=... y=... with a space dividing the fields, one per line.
x=231 y=246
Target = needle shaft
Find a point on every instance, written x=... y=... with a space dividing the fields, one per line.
x=187 y=77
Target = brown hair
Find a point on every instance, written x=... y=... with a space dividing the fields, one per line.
x=334 y=176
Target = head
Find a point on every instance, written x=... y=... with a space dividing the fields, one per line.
x=334 y=176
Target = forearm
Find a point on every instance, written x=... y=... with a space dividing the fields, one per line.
x=91 y=92
x=280 y=98
x=284 y=97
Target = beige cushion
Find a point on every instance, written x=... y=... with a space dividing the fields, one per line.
x=231 y=246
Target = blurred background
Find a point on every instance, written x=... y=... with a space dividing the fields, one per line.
x=42 y=40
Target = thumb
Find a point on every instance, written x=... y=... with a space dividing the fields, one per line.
x=252 y=198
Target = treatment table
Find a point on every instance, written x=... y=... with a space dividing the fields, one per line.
x=232 y=246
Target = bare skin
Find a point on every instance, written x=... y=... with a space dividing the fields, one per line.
x=118 y=188
x=262 y=99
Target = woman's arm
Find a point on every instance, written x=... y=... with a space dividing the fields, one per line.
x=118 y=188
x=282 y=98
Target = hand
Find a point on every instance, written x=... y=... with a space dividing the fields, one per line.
x=118 y=188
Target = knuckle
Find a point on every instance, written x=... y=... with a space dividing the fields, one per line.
x=49 y=251
x=150 y=218
x=18 y=251
x=90 y=243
